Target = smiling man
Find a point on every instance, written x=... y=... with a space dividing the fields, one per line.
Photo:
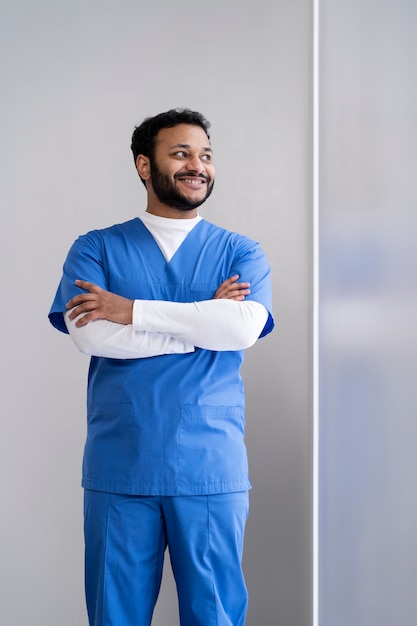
x=165 y=304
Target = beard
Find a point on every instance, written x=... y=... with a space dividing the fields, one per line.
x=167 y=192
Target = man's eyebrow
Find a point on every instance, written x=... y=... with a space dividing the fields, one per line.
x=187 y=146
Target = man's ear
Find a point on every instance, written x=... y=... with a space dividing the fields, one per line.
x=143 y=166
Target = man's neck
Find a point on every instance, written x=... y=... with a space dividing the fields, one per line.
x=163 y=210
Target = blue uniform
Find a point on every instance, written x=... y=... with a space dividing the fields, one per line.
x=170 y=425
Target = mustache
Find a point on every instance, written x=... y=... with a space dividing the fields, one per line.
x=179 y=175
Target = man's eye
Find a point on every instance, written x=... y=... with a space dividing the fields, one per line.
x=206 y=157
x=181 y=153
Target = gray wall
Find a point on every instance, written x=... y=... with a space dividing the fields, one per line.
x=76 y=76
x=368 y=298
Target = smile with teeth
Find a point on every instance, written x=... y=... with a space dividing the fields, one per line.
x=193 y=181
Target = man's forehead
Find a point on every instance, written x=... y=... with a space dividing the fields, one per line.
x=183 y=135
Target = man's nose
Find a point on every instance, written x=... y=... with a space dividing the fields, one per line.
x=195 y=164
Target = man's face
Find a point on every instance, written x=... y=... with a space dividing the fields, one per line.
x=182 y=170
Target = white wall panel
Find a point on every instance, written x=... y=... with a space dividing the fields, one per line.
x=368 y=330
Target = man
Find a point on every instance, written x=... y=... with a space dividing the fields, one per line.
x=159 y=305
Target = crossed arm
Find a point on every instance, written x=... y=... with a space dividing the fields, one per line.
x=125 y=328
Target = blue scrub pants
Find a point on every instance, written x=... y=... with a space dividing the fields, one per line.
x=125 y=541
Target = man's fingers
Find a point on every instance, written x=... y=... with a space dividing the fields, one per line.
x=83 y=306
x=91 y=287
x=84 y=319
x=240 y=286
x=91 y=290
x=83 y=298
x=230 y=289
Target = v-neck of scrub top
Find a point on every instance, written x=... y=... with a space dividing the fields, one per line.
x=184 y=255
x=169 y=233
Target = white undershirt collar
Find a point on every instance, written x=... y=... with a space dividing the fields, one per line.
x=169 y=233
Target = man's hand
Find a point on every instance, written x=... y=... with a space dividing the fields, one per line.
x=99 y=304
x=232 y=290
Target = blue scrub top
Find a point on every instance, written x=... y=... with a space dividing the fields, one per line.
x=170 y=424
